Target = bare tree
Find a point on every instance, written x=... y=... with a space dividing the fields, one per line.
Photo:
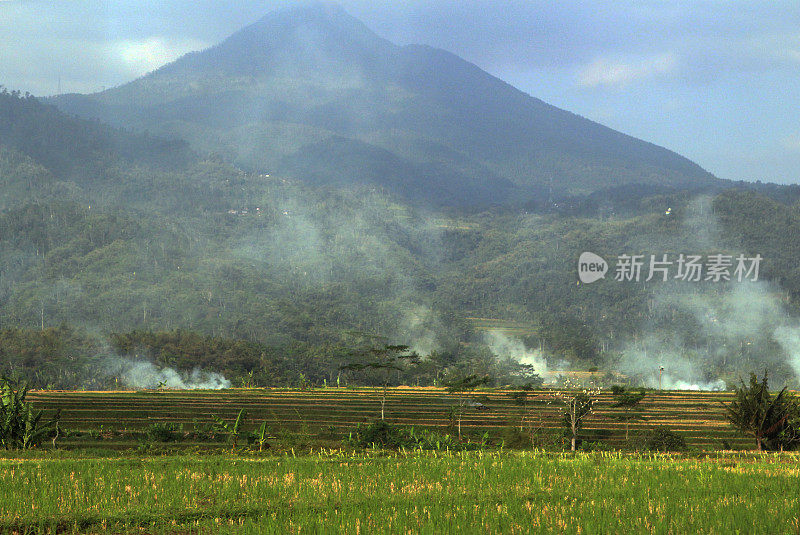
x=578 y=406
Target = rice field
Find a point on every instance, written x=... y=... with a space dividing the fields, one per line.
x=332 y=412
x=97 y=481
x=507 y=327
x=337 y=492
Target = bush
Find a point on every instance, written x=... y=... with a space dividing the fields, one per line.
x=514 y=438
x=163 y=432
x=595 y=445
x=381 y=434
x=664 y=439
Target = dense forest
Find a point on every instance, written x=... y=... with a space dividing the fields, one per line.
x=193 y=262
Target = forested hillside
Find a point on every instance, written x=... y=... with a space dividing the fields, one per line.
x=272 y=280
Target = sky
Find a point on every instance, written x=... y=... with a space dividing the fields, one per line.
x=714 y=80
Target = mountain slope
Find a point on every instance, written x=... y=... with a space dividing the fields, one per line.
x=314 y=76
x=68 y=146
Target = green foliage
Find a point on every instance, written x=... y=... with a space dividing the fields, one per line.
x=625 y=399
x=385 y=360
x=382 y=359
x=595 y=445
x=629 y=403
x=385 y=435
x=260 y=436
x=232 y=430
x=466 y=384
x=462 y=387
x=22 y=427
x=163 y=432
x=664 y=439
x=769 y=419
x=100 y=234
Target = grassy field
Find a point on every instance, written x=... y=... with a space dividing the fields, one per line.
x=328 y=415
x=473 y=492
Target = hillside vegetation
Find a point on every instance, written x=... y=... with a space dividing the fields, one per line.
x=210 y=248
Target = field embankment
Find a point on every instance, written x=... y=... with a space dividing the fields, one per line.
x=698 y=416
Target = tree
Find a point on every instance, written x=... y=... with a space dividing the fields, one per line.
x=463 y=387
x=21 y=427
x=385 y=360
x=769 y=420
x=578 y=406
x=520 y=397
x=629 y=403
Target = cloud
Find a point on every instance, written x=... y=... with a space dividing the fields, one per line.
x=138 y=57
x=616 y=74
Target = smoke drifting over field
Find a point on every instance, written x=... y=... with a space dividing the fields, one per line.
x=353 y=241
x=504 y=346
x=708 y=335
x=143 y=374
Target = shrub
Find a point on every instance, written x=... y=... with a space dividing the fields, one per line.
x=381 y=434
x=163 y=432
x=664 y=439
x=514 y=438
x=595 y=445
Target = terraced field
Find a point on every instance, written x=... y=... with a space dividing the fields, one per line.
x=507 y=327
x=699 y=416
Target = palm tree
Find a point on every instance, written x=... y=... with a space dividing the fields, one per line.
x=767 y=419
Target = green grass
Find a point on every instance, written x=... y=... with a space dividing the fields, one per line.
x=426 y=493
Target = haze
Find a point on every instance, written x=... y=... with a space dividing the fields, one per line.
x=709 y=80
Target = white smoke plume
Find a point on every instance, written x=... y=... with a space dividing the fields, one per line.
x=143 y=374
x=788 y=336
x=504 y=346
x=668 y=364
x=419 y=325
x=695 y=327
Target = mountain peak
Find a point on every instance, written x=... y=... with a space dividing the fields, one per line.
x=312 y=34
x=309 y=9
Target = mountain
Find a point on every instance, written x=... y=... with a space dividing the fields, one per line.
x=310 y=92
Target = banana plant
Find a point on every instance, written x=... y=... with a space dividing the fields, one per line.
x=261 y=436
x=21 y=427
x=232 y=430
